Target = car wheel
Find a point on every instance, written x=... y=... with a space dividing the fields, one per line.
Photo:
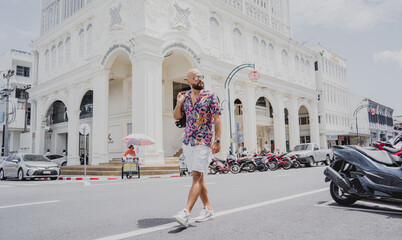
x=2 y=175
x=327 y=160
x=21 y=175
x=296 y=164
x=53 y=178
x=311 y=161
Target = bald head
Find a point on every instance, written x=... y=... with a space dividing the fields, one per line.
x=193 y=72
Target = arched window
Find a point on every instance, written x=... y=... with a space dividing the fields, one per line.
x=53 y=53
x=264 y=54
x=285 y=61
x=86 y=108
x=256 y=51
x=238 y=44
x=47 y=61
x=271 y=55
x=297 y=66
x=215 y=33
x=81 y=48
x=308 y=70
x=60 y=51
x=302 y=65
x=68 y=50
x=89 y=40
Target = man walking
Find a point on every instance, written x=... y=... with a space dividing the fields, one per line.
x=203 y=113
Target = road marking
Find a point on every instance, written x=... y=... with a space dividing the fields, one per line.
x=218 y=214
x=28 y=204
x=5 y=186
x=86 y=183
x=360 y=204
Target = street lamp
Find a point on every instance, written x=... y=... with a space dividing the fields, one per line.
x=355 y=115
x=254 y=76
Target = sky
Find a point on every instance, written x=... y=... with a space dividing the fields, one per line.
x=367 y=33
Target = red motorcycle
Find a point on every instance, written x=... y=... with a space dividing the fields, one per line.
x=271 y=162
x=284 y=161
x=390 y=147
x=221 y=166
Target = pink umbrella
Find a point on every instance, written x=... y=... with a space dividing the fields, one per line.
x=138 y=139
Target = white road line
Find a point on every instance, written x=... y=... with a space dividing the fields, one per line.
x=28 y=204
x=284 y=175
x=5 y=186
x=218 y=214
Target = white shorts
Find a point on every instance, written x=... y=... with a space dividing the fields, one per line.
x=197 y=158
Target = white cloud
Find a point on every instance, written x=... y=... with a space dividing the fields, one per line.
x=354 y=15
x=385 y=56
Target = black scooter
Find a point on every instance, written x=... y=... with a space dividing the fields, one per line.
x=361 y=173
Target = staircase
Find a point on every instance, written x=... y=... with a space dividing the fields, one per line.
x=113 y=168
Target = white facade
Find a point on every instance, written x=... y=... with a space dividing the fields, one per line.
x=118 y=65
x=19 y=108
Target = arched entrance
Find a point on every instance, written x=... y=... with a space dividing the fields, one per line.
x=56 y=136
x=120 y=102
x=265 y=124
x=175 y=65
x=238 y=138
x=304 y=125
x=86 y=114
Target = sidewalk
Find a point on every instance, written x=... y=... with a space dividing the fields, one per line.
x=87 y=178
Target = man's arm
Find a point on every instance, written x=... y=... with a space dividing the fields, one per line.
x=218 y=126
x=177 y=115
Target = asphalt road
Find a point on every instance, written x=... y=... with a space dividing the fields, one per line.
x=292 y=204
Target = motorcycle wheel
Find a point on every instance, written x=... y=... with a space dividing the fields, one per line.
x=286 y=165
x=235 y=168
x=296 y=164
x=340 y=197
x=224 y=172
x=213 y=169
x=327 y=160
x=273 y=165
x=251 y=167
x=261 y=167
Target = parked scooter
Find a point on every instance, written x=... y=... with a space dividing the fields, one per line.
x=221 y=166
x=361 y=173
x=284 y=161
x=243 y=164
x=260 y=160
x=390 y=147
x=271 y=162
x=294 y=161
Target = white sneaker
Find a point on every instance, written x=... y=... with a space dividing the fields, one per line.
x=182 y=218
x=205 y=215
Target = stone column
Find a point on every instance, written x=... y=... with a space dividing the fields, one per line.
x=73 y=126
x=147 y=101
x=100 y=86
x=279 y=123
x=250 y=120
x=314 y=128
x=294 y=130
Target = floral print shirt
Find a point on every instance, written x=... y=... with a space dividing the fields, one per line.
x=199 y=118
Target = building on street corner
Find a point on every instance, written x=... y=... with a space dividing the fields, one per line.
x=118 y=66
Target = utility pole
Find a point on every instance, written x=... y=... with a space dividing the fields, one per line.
x=7 y=91
x=26 y=95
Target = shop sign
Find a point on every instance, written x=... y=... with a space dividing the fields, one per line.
x=332 y=137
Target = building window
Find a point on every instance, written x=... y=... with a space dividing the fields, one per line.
x=89 y=40
x=60 y=50
x=304 y=120
x=47 y=61
x=23 y=71
x=215 y=33
x=81 y=48
x=68 y=50
x=238 y=44
x=271 y=55
x=20 y=93
x=53 y=52
x=264 y=55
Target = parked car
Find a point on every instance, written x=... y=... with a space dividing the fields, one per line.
x=28 y=166
x=60 y=160
x=310 y=153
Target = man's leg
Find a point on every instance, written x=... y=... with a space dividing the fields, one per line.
x=204 y=195
x=194 y=190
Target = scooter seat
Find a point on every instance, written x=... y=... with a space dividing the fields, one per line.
x=378 y=156
x=391 y=150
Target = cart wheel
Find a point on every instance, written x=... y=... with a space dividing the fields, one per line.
x=181 y=174
x=129 y=176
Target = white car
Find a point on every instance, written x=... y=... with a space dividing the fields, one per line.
x=60 y=160
x=309 y=154
x=28 y=166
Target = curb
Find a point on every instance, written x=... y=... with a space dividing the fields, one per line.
x=106 y=178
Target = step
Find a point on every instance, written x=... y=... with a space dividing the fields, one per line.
x=117 y=173
x=92 y=168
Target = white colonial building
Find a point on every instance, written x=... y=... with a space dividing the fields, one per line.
x=19 y=108
x=118 y=65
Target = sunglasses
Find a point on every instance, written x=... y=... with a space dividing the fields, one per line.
x=196 y=78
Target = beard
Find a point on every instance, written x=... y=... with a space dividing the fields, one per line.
x=198 y=86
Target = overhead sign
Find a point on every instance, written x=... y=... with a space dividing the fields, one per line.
x=84 y=129
x=332 y=137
